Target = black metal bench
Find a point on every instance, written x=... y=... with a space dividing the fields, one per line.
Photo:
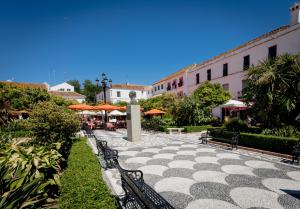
x=204 y=137
x=138 y=194
x=87 y=130
x=224 y=136
x=296 y=152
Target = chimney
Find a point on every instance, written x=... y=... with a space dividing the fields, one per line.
x=295 y=14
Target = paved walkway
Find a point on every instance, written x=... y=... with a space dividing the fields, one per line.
x=193 y=176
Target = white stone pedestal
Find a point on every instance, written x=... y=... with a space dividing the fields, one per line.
x=133 y=120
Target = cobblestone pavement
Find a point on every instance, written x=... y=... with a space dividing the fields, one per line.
x=193 y=176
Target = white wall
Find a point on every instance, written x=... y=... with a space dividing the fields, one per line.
x=62 y=87
x=111 y=95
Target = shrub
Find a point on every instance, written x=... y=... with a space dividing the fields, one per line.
x=236 y=124
x=51 y=123
x=82 y=185
x=270 y=143
x=286 y=131
x=157 y=123
x=29 y=175
x=189 y=129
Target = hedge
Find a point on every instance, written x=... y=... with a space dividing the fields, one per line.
x=264 y=142
x=189 y=129
x=82 y=185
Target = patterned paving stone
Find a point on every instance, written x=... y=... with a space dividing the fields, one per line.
x=228 y=155
x=174 y=184
x=270 y=173
x=247 y=197
x=179 y=172
x=211 y=204
x=184 y=157
x=211 y=190
x=289 y=201
x=169 y=156
x=206 y=159
x=282 y=186
x=260 y=164
x=144 y=154
x=167 y=151
x=153 y=169
x=210 y=176
x=178 y=200
x=189 y=152
x=142 y=160
x=160 y=161
x=294 y=175
x=151 y=179
x=207 y=166
x=237 y=169
x=244 y=181
x=182 y=164
x=227 y=161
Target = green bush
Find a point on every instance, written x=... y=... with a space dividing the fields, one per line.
x=29 y=175
x=16 y=134
x=157 y=123
x=82 y=184
x=51 y=123
x=286 y=131
x=236 y=124
x=189 y=129
x=270 y=143
x=259 y=141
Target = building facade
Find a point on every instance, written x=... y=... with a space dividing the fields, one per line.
x=120 y=93
x=62 y=87
x=230 y=68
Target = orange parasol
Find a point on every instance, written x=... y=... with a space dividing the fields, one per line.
x=81 y=107
x=155 y=112
x=106 y=107
x=123 y=108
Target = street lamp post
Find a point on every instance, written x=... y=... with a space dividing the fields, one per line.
x=105 y=86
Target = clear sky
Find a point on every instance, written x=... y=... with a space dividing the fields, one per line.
x=136 y=41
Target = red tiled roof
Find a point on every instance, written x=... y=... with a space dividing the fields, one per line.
x=25 y=85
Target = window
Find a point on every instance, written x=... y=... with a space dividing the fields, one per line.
x=158 y=88
x=246 y=62
x=197 y=78
x=155 y=88
x=272 y=52
x=169 y=86
x=209 y=74
x=118 y=94
x=68 y=89
x=174 y=84
x=162 y=86
x=225 y=69
x=61 y=89
x=180 y=83
x=226 y=87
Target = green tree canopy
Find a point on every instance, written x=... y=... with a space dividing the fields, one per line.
x=76 y=84
x=274 y=85
x=90 y=90
x=166 y=102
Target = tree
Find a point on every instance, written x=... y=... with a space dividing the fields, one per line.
x=197 y=108
x=166 y=102
x=90 y=90
x=274 y=85
x=76 y=84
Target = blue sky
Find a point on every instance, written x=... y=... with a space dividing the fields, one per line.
x=136 y=41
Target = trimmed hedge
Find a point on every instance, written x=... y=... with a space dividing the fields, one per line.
x=190 y=129
x=82 y=185
x=264 y=142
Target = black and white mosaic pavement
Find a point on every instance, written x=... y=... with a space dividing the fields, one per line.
x=193 y=176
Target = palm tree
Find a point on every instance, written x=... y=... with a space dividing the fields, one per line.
x=274 y=85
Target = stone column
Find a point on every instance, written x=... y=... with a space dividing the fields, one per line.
x=133 y=120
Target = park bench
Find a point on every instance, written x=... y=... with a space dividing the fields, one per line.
x=296 y=152
x=178 y=130
x=224 y=136
x=87 y=131
x=138 y=194
x=204 y=137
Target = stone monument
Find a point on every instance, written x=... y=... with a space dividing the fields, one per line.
x=133 y=119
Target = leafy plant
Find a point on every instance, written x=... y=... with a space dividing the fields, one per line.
x=287 y=131
x=236 y=124
x=29 y=175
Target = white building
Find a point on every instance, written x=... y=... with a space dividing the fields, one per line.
x=66 y=91
x=230 y=68
x=120 y=93
x=63 y=87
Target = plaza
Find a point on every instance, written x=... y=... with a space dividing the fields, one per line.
x=192 y=175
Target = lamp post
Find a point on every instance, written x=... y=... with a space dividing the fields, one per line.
x=105 y=86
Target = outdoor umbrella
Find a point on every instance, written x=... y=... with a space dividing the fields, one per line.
x=87 y=112
x=81 y=107
x=116 y=113
x=234 y=105
x=106 y=107
x=155 y=112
